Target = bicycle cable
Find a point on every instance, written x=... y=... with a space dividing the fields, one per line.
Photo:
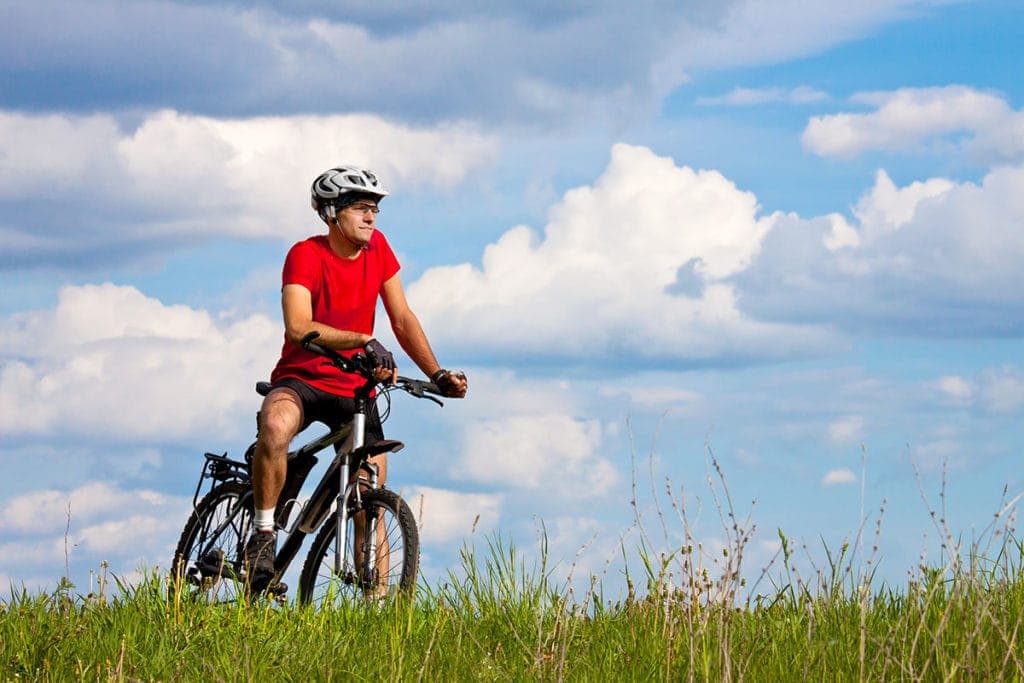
x=385 y=393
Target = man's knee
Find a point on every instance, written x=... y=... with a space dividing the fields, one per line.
x=280 y=419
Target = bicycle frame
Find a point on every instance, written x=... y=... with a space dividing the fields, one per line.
x=339 y=489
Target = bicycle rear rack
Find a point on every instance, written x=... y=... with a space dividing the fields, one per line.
x=220 y=468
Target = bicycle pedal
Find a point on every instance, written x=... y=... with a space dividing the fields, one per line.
x=277 y=589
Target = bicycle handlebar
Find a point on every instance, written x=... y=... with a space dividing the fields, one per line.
x=345 y=364
x=360 y=364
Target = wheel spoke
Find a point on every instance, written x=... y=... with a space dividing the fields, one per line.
x=395 y=554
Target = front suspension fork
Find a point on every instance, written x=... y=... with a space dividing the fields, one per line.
x=346 y=490
x=341 y=530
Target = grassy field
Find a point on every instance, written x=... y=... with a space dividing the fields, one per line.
x=688 y=615
x=502 y=622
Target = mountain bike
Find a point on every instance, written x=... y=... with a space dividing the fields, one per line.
x=367 y=545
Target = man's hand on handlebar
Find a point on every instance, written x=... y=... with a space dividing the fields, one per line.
x=385 y=369
x=452 y=383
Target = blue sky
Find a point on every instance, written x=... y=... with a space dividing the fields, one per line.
x=787 y=235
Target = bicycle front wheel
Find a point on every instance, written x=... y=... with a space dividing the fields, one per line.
x=380 y=559
x=210 y=554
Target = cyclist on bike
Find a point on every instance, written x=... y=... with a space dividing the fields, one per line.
x=330 y=285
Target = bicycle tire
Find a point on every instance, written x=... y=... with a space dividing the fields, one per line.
x=321 y=585
x=218 y=574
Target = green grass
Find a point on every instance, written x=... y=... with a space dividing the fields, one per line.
x=688 y=615
x=506 y=621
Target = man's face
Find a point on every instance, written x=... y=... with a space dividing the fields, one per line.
x=357 y=221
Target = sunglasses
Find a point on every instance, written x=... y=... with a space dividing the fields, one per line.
x=363 y=208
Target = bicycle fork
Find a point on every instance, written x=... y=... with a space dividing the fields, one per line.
x=364 y=567
x=341 y=530
x=347 y=489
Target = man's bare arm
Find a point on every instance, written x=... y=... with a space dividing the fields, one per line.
x=297 y=306
x=407 y=328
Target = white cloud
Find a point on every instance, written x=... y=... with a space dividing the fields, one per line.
x=99 y=313
x=634 y=265
x=145 y=462
x=936 y=454
x=501 y=391
x=445 y=515
x=49 y=551
x=139 y=535
x=108 y=361
x=955 y=387
x=48 y=532
x=910 y=117
x=13 y=585
x=652 y=396
x=1001 y=390
x=453 y=60
x=846 y=430
x=533 y=451
x=886 y=208
x=931 y=258
x=28 y=164
x=838 y=477
x=50 y=511
x=178 y=176
x=752 y=32
x=583 y=546
x=748 y=97
x=994 y=391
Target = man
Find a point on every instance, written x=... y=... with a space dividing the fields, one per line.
x=330 y=285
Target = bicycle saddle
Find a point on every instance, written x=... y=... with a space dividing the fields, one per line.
x=383 y=446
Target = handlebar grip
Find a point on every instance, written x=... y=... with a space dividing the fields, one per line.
x=308 y=344
x=311 y=346
x=317 y=349
x=307 y=341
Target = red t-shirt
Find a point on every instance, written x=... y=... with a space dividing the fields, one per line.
x=344 y=296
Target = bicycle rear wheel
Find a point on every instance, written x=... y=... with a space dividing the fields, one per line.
x=210 y=554
x=396 y=550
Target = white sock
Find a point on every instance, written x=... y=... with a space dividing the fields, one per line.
x=264 y=520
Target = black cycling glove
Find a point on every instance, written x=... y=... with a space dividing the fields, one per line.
x=445 y=381
x=379 y=356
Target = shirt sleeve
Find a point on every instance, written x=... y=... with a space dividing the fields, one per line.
x=301 y=267
x=389 y=262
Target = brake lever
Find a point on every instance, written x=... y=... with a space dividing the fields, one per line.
x=416 y=389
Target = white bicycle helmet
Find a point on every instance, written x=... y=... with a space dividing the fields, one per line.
x=339 y=186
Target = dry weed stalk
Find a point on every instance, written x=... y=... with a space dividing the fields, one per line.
x=695 y=586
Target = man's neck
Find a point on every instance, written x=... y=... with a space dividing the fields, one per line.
x=341 y=246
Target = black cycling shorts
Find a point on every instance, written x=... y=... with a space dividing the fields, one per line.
x=331 y=409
